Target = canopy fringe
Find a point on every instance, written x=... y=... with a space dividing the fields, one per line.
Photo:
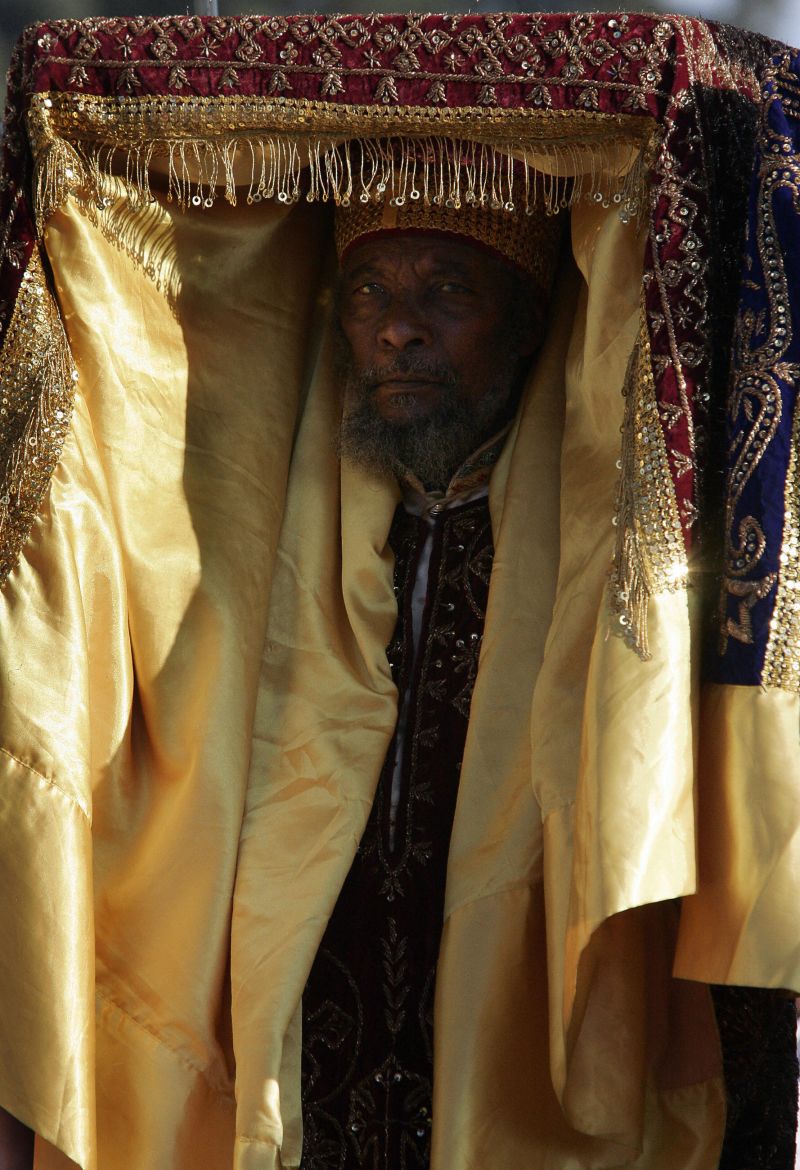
x=144 y=233
x=436 y=170
x=59 y=172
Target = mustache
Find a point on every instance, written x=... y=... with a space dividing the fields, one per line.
x=404 y=366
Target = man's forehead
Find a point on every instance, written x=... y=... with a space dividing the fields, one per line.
x=426 y=251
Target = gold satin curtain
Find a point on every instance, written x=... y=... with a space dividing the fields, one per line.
x=197 y=704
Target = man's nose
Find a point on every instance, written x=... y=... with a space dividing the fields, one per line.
x=403 y=326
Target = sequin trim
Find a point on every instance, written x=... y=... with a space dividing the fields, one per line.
x=37 y=386
x=782 y=659
x=650 y=556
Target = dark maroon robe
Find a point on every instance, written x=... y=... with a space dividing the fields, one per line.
x=368 y=1006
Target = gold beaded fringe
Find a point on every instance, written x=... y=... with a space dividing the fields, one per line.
x=317 y=171
x=220 y=147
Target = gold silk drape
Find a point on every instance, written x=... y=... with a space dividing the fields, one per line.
x=200 y=714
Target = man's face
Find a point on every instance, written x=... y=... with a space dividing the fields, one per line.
x=436 y=344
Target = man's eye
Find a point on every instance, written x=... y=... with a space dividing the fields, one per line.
x=452 y=286
x=370 y=288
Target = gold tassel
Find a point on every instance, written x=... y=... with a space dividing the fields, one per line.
x=145 y=233
x=59 y=173
x=629 y=588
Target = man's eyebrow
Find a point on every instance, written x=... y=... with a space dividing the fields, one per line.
x=360 y=271
x=438 y=266
x=455 y=267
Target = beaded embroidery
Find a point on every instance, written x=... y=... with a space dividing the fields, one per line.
x=37 y=386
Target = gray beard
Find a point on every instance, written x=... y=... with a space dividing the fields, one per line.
x=434 y=447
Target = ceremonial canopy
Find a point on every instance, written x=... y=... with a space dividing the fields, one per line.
x=197 y=599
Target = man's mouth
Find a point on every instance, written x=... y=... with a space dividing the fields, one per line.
x=398 y=388
x=406 y=396
x=404 y=383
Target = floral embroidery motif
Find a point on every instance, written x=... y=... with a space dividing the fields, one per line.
x=762 y=414
x=482 y=50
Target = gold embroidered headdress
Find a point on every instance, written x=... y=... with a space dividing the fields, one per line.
x=528 y=240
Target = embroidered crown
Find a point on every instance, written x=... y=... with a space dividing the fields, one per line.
x=528 y=241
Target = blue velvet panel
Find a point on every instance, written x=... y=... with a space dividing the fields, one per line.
x=763 y=392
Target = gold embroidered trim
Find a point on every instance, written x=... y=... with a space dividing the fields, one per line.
x=287 y=149
x=497 y=50
x=707 y=65
x=650 y=555
x=782 y=658
x=37 y=386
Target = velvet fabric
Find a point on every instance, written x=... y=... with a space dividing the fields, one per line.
x=761 y=526
x=368 y=1018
